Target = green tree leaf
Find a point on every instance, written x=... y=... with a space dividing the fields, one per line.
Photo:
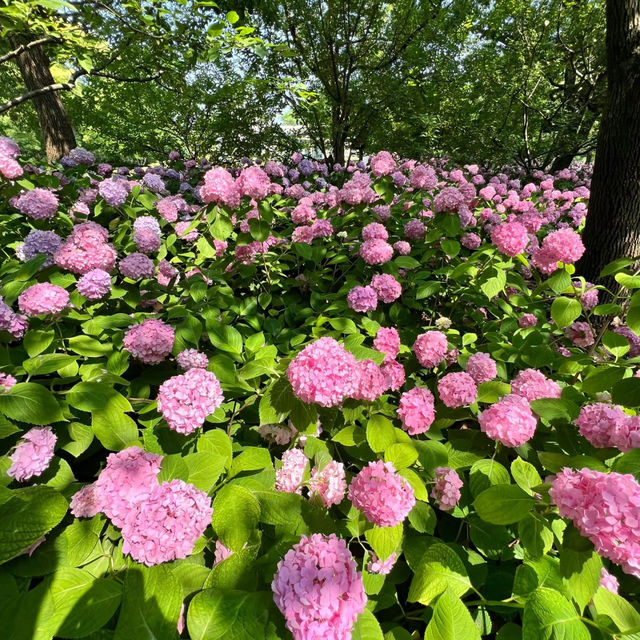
x=503 y=504
x=451 y=619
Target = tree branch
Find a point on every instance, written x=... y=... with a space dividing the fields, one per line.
x=24 y=47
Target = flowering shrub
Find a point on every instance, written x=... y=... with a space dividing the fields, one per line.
x=279 y=401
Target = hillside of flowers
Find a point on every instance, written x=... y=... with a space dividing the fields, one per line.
x=278 y=401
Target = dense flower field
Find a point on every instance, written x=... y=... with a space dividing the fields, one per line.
x=280 y=401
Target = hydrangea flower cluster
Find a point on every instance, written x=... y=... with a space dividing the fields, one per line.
x=511 y=238
x=40 y=242
x=9 y=167
x=509 y=421
x=289 y=476
x=457 y=390
x=329 y=483
x=387 y=341
x=114 y=191
x=532 y=385
x=192 y=359
x=362 y=299
x=186 y=400
x=87 y=248
x=38 y=204
x=382 y=567
x=94 y=284
x=32 y=454
x=318 y=589
x=606 y=425
x=150 y=341
x=416 y=410
x=383 y=496
x=136 y=266
x=281 y=434
x=446 y=489
x=42 y=299
x=481 y=367
x=430 y=348
x=376 y=251
x=604 y=508
x=386 y=287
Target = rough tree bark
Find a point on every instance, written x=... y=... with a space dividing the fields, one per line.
x=613 y=223
x=57 y=133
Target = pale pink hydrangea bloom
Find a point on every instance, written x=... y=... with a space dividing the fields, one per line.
x=609 y=581
x=481 y=367
x=430 y=348
x=382 y=164
x=534 y=385
x=147 y=241
x=387 y=287
x=374 y=230
x=604 y=508
x=457 y=390
x=580 y=334
x=127 y=480
x=563 y=245
x=167 y=524
x=221 y=553
x=10 y=168
x=150 y=341
x=371 y=382
x=166 y=273
x=402 y=248
x=604 y=425
x=187 y=236
x=6 y=381
x=393 y=373
x=38 y=203
x=219 y=187
x=416 y=410
x=32 y=454
x=387 y=341
x=43 y=298
x=254 y=182
x=186 y=400
x=423 y=177
x=362 y=299
x=324 y=372
x=383 y=496
x=381 y=567
x=509 y=421
x=376 y=251
x=86 y=249
x=511 y=238
x=446 y=490
x=192 y=359
x=329 y=483
x=94 y=284
x=84 y=503
x=527 y=320
x=289 y=476
x=318 y=589
x=414 y=229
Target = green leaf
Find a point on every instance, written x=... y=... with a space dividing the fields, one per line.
x=366 y=627
x=525 y=475
x=48 y=363
x=564 y=311
x=451 y=620
x=205 y=467
x=626 y=392
x=259 y=229
x=26 y=516
x=580 y=567
x=623 y=614
x=493 y=281
x=225 y=337
x=615 y=343
x=549 y=616
x=219 y=443
x=30 y=402
x=236 y=512
x=37 y=340
x=485 y=473
x=380 y=433
x=401 y=454
x=423 y=518
x=615 y=266
x=628 y=463
x=250 y=459
x=150 y=604
x=385 y=540
x=221 y=228
x=555 y=409
x=492 y=391
x=503 y=504
x=559 y=281
x=628 y=281
x=535 y=536
x=90 y=347
x=440 y=568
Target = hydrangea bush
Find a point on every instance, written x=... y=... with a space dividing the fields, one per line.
x=292 y=401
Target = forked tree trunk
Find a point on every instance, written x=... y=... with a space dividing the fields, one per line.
x=56 y=129
x=613 y=222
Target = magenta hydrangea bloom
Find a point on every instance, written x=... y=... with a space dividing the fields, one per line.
x=382 y=164
x=167 y=524
x=371 y=382
x=362 y=299
x=534 y=385
x=376 y=251
x=32 y=454
x=382 y=567
x=219 y=187
x=38 y=203
x=416 y=410
x=470 y=240
x=393 y=373
x=457 y=389
x=42 y=299
x=150 y=341
x=564 y=245
x=373 y=231
x=329 y=483
x=481 y=367
x=186 y=400
x=324 y=372
x=289 y=476
x=386 y=287
x=318 y=589
x=126 y=481
x=86 y=249
x=423 y=177
x=402 y=248
x=383 y=496
x=604 y=508
x=430 y=348
x=603 y=425
x=511 y=238
x=580 y=334
x=509 y=421
x=192 y=359
x=387 y=341
x=84 y=503
x=446 y=490
x=94 y=284
x=527 y=320
x=136 y=266
x=414 y=229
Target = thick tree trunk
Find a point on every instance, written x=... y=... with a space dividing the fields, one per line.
x=562 y=161
x=613 y=222
x=57 y=133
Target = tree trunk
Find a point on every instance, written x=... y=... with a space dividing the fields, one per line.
x=562 y=162
x=57 y=133
x=613 y=222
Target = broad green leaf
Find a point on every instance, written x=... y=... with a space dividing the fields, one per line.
x=623 y=614
x=525 y=475
x=549 y=616
x=503 y=504
x=384 y=540
x=30 y=402
x=565 y=310
x=451 y=620
x=236 y=512
x=367 y=627
x=380 y=433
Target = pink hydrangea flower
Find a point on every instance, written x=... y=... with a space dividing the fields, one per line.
x=136 y=266
x=32 y=454
x=402 y=248
x=7 y=381
x=604 y=508
x=609 y=581
x=192 y=359
x=38 y=204
x=324 y=372
x=580 y=334
x=186 y=400
x=187 y=236
x=374 y=230
x=254 y=182
x=94 y=284
x=564 y=245
x=527 y=320
x=318 y=589
x=289 y=476
x=84 y=503
x=393 y=373
x=219 y=186
x=416 y=410
x=10 y=168
x=382 y=567
x=511 y=238
x=481 y=367
x=423 y=177
x=167 y=524
x=376 y=251
x=382 y=164
x=42 y=299
x=387 y=341
x=509 y=421
x=532 y=385
x=414 y=229
x=86 y=249
x=221 y=553
x=150 y=341
x=387 y=287
x=371 y=382
x=127 y=480
x=457 y=390
x=362 y=299
x=470 y=241
x=446 y=490
x=603 y=425
x=383 y=496
x=329 y=483
x=430 y=348
x=147 y=241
